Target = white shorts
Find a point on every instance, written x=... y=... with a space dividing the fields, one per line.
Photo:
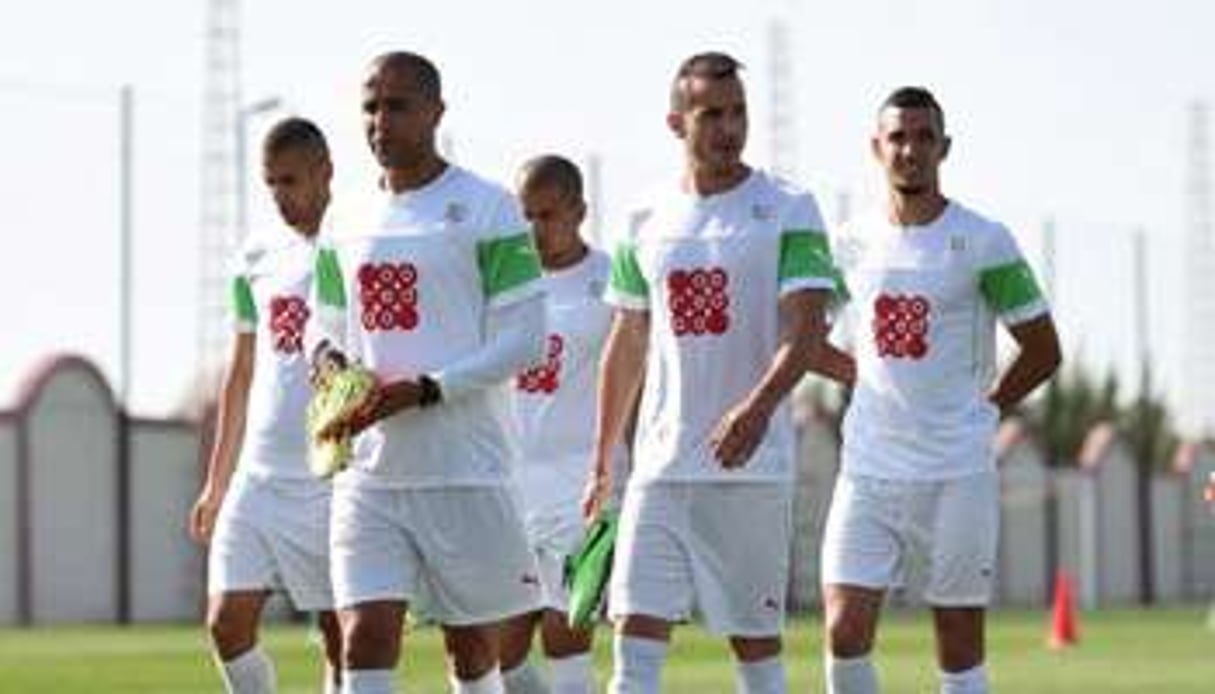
x=552 y=538
x=270 y=535
x=936 y=538
x=458 y=554
x=721 y=549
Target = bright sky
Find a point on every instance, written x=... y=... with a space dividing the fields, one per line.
x=1075 y=110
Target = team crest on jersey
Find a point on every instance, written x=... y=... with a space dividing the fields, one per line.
x=762 y=213
x=596 y=288
x=545 y=378
x=388 y=294
x=900 y=325
x=288 y=316
x=699 y=301
x=456 y=212
x=957 y=244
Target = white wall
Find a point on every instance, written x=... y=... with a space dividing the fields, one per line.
x=8 y=522
x=1167 y=499
x=73 y=467
x=166 y=566
x=1024 y=479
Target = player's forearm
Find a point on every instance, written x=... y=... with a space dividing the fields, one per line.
x=620 y=377
x=516 y=336
x=1037 y=360
x=1026 y=373
x=230 y=428
x=802 y=339
x=834 y=363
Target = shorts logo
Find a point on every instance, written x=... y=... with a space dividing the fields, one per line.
x=771 y=604
x=288 y=315
x=900 y=325
x=699 y=301
x=388 y=293
x=530 y=580
x=545 y=378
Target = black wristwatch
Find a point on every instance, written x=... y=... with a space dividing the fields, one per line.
x=431 y=393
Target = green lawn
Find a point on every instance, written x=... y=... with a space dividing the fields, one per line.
x=1171 y=652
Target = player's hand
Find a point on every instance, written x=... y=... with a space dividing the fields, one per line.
x=1208 y=492
x=371 y=411
x=739 y=433
x=597 y=494
x=325 y=358
x=384 y=402
x=203 y=514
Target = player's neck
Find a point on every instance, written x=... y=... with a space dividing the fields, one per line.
x=309 y=228
x=706 y=180
x=915 y=209
x=567 y=258
x=414 y=175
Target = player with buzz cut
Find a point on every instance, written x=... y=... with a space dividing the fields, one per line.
x=917 y=500
x=555 y=408
x=434 y=286
x=720 y=289
x=267 y=519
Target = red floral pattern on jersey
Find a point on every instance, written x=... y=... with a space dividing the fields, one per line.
x=699 y=301
x=900 y=325
x=288 y=316
x=545 y=378
x=388 y=293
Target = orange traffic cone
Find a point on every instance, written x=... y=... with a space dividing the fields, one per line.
x=1063 y=627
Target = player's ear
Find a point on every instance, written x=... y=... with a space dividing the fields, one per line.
x=875 y=147
x=945 y=145
x=675 y=123
x=437 y=111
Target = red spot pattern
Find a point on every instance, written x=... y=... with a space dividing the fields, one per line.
x=388 y=293
x=900 y=325
x=288 y=316
x=699 y=301
x=545 y=378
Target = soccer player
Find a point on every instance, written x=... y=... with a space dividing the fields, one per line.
x=720 y=289
x=267 y=518
x=555 y=406
x=434 y=286
x=917 y=500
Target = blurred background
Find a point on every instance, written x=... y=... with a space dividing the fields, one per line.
x=130 y=131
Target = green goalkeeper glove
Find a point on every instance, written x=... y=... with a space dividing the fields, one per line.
x=588 y=569
x=338 y=393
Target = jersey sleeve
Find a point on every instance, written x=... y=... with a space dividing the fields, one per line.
x=507 y=259
x=1007 y=282
x=805 y=252
x=627 y=286
x=242 y=308
x=328 y=300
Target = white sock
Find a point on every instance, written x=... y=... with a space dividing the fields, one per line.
x=489 y=683
x=331 y=686
x=765 y=676
x=851 y=676
x=637 y=665
x=972 y=681
x=250 y=672
x=367 y=682
x=523 y=679
x=573 y=674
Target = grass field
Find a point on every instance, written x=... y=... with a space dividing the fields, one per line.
x=1170 y=652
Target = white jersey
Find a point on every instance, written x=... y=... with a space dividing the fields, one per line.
x=270 y=287
x=405 y=285
x=710 y=271
x=924 y=301
x=555 y=400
